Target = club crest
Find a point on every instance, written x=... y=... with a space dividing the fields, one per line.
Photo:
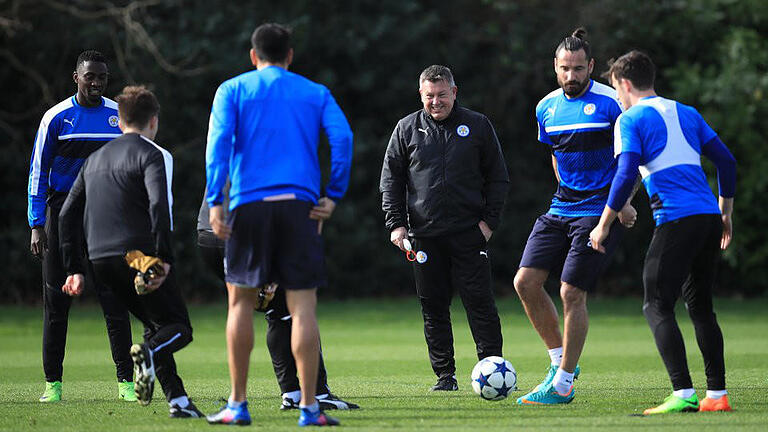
x=421 y=257
x=462 y=130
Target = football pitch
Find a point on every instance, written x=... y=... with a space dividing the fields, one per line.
x=376 y=356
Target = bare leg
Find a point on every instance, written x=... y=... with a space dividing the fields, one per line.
x=529 y=283
x=305 y=340
x=239 y=338
x=575 y=326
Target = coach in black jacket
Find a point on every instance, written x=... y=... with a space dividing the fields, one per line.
x=123 y=193
x=443 y=184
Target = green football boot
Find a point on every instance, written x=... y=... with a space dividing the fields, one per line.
x=52 y=392
x=125 y=391
x=551 y=375
x=673 y=404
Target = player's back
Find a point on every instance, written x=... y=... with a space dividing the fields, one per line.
x=669 y=136
x=277 y=117
x=119 y=207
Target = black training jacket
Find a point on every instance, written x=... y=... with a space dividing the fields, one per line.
x=122 y=199
x=443 y=177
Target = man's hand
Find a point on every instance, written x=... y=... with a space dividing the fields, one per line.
x=158 y=280
x=628 y=216
x=38 y=244
x=74 y=284
x=598 y=236
x=487 y=231
x=726 y=211
x=725 y=241
x=322 y=211
x=218 y=224
x=397 y=236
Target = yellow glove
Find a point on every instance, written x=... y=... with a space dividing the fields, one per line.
x=147 y=267
x=266 y=294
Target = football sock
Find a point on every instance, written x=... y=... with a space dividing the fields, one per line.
x=556 y=355
x=234 y=404
x=563 y=381
x=684 y=393
x=314 y=408
x=181 y=401
x=716 y=394
x=294 y=395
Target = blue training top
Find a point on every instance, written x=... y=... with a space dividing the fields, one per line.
x=263 y=134
x=67 y=134
x=580 y=133
x=669 y=137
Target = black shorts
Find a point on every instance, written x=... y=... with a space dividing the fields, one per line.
x=557 y=240
x=274 y=242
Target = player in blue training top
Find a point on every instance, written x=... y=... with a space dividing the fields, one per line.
x=576 y=121
x=263 y=134
x=68 y=133
x=664 y=141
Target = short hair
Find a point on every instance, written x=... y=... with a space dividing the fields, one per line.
x=576 y=41
x=635 y=66
x=136 y=105
x=436 y=73
x=272 y=42
x=90 y=55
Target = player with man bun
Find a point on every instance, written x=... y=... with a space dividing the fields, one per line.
x=576 y=122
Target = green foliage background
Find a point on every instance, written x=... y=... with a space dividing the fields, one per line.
x=369 y=53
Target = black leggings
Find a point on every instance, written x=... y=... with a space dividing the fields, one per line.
x=56 y=307
x=163 y=313
x=682 y=259
x=278 y=326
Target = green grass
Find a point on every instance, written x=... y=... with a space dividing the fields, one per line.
x=376 y=356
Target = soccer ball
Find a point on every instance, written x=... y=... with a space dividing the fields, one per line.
x=493 y=378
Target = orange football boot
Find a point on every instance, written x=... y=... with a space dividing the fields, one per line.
x=720 y=404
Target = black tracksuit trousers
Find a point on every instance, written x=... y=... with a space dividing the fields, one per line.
x=163 y=313
x=682 y=259
x=278 y=330
x=56 y=307
x=456 y=262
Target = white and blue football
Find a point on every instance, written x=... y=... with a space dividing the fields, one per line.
x=493 y=378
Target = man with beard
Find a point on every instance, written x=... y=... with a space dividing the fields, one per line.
x=443 y=185
x=576 y=121
x=68 y=133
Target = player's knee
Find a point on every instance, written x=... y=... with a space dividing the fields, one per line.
x=525 y=285
x=572 y=295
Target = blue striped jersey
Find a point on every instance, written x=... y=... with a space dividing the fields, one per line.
x=67 y=134
x=580 y=134
x=668 y=136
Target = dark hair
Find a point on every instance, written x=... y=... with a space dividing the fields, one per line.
x=436 y=73
x=90 y=55
x=136 y=105
x=576 y=41
x=272 y=42
x=635 y=66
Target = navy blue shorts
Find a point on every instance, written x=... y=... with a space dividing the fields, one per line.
x=274 y=242
x=559 y=240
